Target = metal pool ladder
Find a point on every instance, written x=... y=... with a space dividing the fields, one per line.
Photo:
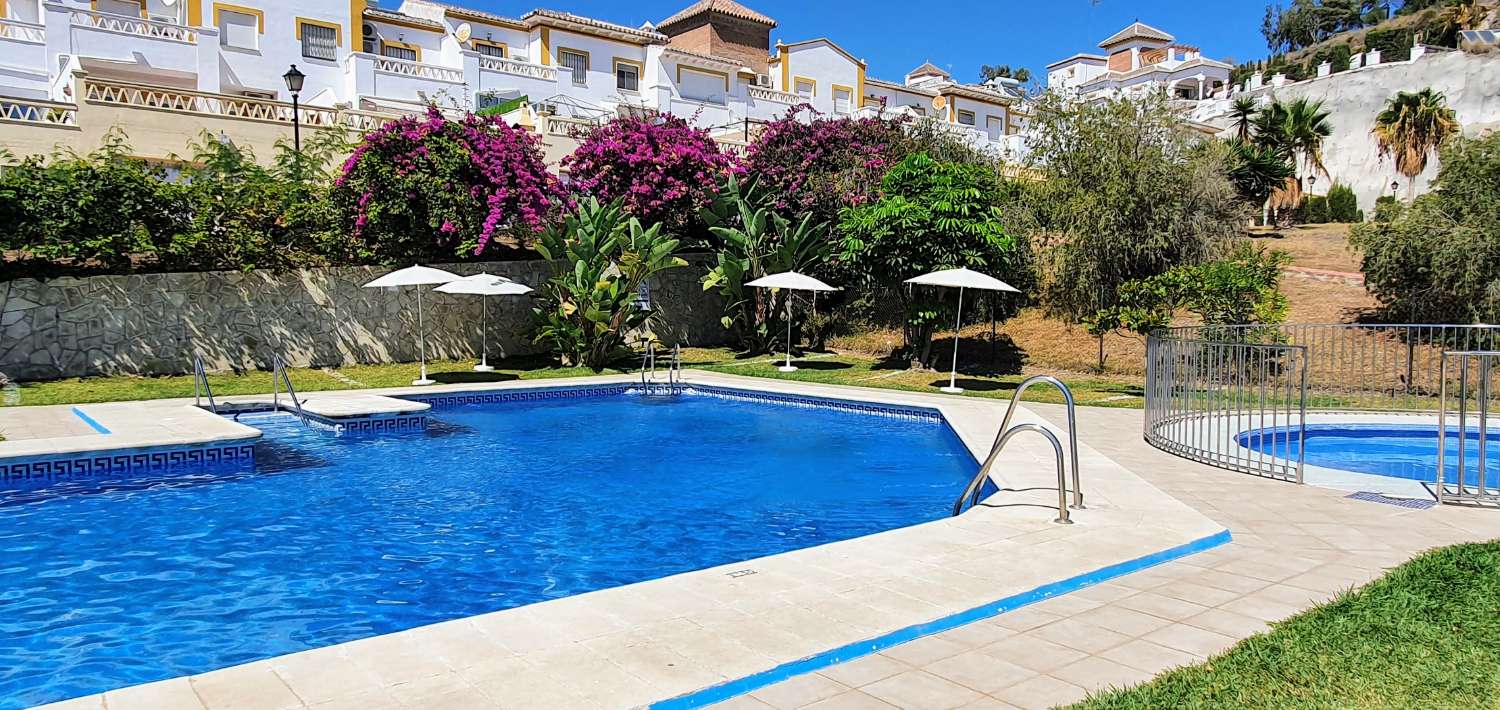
x=200 y=386
x=971 y=492
x=674 y=371
x=279 y=378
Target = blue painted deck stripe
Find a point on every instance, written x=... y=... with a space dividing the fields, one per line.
x=90 y=421
x=725 y=691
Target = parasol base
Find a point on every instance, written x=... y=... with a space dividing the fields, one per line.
x=423 y=381
x=951 y=390
x=484 y=368
x=787 y=368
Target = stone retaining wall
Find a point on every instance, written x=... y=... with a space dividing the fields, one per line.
x=153 y=324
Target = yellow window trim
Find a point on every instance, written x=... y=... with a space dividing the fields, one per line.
x=722 y=75
x=546 y=47
x=504 y=50
x=338 y=29
x=94 y=5
x=588 y=59
x=640 y=70
x=403 y=45
x=847 y=89
x=260 y=16
x=798 y=81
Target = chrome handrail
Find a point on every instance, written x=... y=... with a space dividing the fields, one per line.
x=971 y=493
x=674 y=373
x=648 y=365
x=278 y=377
x=200 y=385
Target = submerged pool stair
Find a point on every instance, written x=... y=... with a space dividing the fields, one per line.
x=970 y=496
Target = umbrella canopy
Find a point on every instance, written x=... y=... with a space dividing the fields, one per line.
x=485 y=285
x=962 y=278
x=414 y=276
x=791 y=280
x=797 y=282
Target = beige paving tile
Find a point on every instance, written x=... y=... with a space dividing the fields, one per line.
x=1199 y=642
x=247 y=687
x=368 y=700
x=1024 y=619
x=1149 y=657
x=988 y=703
x=925 y=650
x=1161 y=605
x=916 y=689
x=741 y=702
x=1228 y=623
x=323 y=675
x=175 y=694
x=1125 y=621
x=1079 y=634
x=1031 y=652
x=864 y=671
x=980 y=671
x=852 y=700
x=88 y=702
x=799 y=691
x=1041 y=692
x=1096 y=673
x=1196 y=593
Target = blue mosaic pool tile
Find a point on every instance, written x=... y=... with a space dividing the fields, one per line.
x=35 y=469
x=888 y=410
x=439 y=401
x=1373 y=497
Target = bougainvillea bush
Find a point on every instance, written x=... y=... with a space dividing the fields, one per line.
x=820 y=165
x=663 y=170
x=433 y=187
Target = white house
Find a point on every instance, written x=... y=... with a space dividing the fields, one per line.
x=1138 y=58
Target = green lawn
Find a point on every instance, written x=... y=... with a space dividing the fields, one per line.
x=816 y=367
x=1426 y=635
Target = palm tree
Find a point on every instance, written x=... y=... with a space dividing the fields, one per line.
x=1295 y=131
x=1242 y=112
x=1413 y=126
x=1256 y=171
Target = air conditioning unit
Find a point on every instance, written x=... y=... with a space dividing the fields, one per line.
x=763 y=80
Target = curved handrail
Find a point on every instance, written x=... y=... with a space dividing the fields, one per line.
x=200 y=385
x=971 y=493
x=279 y=377
x=648 y=365
x=1072 y=425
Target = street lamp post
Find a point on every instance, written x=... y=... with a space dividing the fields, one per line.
x=293 y=79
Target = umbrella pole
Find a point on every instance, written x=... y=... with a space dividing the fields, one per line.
x=788 y=366
x=957 y=324
x=484 y=336
x=422 y=341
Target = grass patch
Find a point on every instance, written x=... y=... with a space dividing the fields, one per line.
x=1426 y=635
x=824 y=368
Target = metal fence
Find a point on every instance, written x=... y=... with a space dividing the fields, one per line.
x=1238 y=396
x=1467 y=474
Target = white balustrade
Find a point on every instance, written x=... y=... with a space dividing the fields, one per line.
x=761 y=93
x=23 y=31
x=418 y=70
x=226 y=106
x=45 y=113
x=518 y=68
x=139 y=27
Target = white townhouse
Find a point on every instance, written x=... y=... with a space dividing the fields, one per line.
x=1137 y=58
x=70 y=69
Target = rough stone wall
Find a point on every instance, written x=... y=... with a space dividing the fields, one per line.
x=1471 y=82
x=153 y=324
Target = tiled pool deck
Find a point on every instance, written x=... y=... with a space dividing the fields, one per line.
x=665 y=638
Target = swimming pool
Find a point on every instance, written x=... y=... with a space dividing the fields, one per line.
x=1406 y=451
x=125 y=580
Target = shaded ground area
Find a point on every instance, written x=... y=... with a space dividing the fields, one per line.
x=1312 y=246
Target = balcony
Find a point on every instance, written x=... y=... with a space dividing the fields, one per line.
x=761 y=93
x=117 y=93
x=135 y=26
x=375 y=76
x=38 y=113
x=513 y=67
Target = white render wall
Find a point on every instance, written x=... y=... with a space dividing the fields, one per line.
x=827 y=67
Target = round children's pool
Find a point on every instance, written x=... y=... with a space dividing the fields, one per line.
x=1408 y=451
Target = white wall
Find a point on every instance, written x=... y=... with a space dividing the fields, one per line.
x=826 y=66
x=279 y=48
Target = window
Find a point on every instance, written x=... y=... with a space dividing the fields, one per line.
x=489 y=49
x=122 y=7
x=806 y=87
x=702 y=85
x=399 y=50
x=966 y=117
x=576 y=62
x=627 y=75
x=238 y=29
x=371 y=41
x=843 y=99
x=993 y=126
x=318 y=41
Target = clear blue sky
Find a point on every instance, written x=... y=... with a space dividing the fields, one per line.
x=958 y=35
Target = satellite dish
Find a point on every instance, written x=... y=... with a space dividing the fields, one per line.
x=939 y=102
x=464 y=32
x=168 y=3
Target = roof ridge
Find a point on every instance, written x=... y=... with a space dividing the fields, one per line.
x=727 y=7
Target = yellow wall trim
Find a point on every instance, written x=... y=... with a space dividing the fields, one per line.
x=357 y=24
x=722 y=75
x=194 y=12
x=786 y=67
x=403 y=45
x=546 y=47
x=338 y=30
x=260 y=16
x=859 y=82
x=640 y=71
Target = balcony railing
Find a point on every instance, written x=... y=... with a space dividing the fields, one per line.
x=418 y=70
x=226 y=106
x=42 y=113
x=518 y=68
x=134 y=26
x=761 y=93
x=23 y=31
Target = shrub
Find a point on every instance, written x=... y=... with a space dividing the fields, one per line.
x=1437 y=260
x=819 y=164
x=599 y=258
x=664 y=170
x=1314 y=210
x=1343 y=205
x=1394 y=43
x=1238 y=290
x=426 y=186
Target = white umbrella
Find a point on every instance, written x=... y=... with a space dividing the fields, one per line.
x=796 y=282
x=416 y=276
x=485 y=285
x=960 y=279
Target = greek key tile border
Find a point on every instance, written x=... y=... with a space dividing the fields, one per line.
x=390 y=424
x=442 y=401
x=66 y=468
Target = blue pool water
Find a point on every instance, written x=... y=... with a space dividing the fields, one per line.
x=327 y=539
x=1397 y=450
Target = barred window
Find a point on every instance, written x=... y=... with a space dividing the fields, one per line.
x=490 y=50
x=396 y=51
x=319 y=42
x=577 y=62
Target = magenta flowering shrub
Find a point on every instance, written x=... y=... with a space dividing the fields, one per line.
x=818 y=164
x=665 y=170
x=432 y=187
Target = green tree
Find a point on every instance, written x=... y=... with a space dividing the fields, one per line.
x=1413 y=126
x=1243 y=112
x=931 y=216
x=599 y=259
x=1296 y=130
x=1238 y=290
x=1255 y=170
